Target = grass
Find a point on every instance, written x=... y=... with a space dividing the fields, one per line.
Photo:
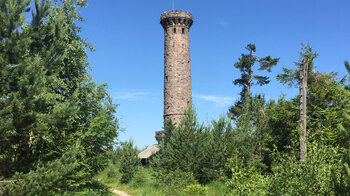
x=144 y=184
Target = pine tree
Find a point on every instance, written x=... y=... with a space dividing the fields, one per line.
x=45 y=180
x=129 y=161
x=47 y=99
x=291 y=76
x=218 y=149
x=249 y=78
x=303 y=76
x=194 y=150
x=329 y=111
x=183 y=148
x=347 y=66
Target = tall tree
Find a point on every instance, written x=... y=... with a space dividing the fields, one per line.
x=302 y=107
x=249 y=78
x=47 y=99
x=329 y=111
x=303 y=76
x=291 y=77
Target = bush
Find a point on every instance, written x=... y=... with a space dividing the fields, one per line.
x=174 y=181
x=342 y=180
x=111 y=172
x=194 y=148
x=44 y=180
x=129 y=161
x=245 y=180
x=218 y=187
x=196 y=189
x=140 y=178
x=317 y=177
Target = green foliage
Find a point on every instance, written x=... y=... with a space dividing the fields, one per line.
x=342 y=180
x=245 y=180
x=218 y=147
x=93 y=189
x=329 y=111
x=249 y=78
x=140 y=177
x=318 y=177
x=111 y=173
x=196 y=189
x=196 y=149
x=129 y=161
x=249 y=130
x=280 y=129
x=347 y=66
x=44 y=180
x=47 y=99
x=182 y=149
x=249 y=112
x=291 y=76
x=217 y=188
x=174 y=180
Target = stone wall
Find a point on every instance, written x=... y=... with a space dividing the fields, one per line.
x=177 y=64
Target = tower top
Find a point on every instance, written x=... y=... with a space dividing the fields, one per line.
x=172 y=18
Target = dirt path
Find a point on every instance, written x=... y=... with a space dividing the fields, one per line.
x=121 y=193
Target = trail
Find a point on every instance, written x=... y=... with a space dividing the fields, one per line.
x=119 y=192
x=116 y=191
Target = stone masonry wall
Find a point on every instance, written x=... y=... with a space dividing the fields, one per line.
x=177 y=64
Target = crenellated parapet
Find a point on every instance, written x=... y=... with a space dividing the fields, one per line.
x=177 y=18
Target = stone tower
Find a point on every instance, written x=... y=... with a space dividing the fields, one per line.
x=177 y=64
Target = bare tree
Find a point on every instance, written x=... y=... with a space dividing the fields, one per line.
x=302 y=107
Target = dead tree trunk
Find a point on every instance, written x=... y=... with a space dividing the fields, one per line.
x=302 y=108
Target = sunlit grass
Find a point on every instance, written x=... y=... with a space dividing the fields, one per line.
x=144 y=184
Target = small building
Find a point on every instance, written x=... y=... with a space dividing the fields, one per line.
x=147 y=153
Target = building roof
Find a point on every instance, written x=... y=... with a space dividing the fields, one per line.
x=148 y=152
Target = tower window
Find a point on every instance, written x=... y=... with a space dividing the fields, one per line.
x=183 y=30
x=174 y=30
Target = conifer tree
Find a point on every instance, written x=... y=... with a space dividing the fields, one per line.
x=182 y=150
x=45 y=180
x=249 y=110
x=291 y=76
x=195 y=150
x=219 y=148
x=249 y=78
x=47 y=99
x=303 y=75
x=329 y=112
x=129 y=161
x=347 y=66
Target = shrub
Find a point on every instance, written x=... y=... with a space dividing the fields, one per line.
x=129 y=161
x=172 y=182
x=44 y=180
x=218 y=187
x=140 y=178
x=342 y=179
x=111 y=172
x=196 y=189
x=245 y=180
x=193 y=148
x=322 y=165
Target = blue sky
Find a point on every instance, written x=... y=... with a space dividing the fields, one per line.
x=129 y=50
